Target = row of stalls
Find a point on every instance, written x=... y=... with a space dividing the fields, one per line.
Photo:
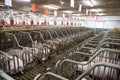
x=97 y=59
x=20 y=50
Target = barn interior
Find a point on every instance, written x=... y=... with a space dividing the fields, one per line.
x=59 y=39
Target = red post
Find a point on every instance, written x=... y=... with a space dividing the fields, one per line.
x=55 y=23
x=62 y=23
x=2 y=22
x=11 y=22
x=45 y=23
x=23 y=22
x=71 y=23
x=67 y=23
x=38 y=23
x=31 y=23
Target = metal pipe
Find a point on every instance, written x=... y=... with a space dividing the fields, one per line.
x=104 y=37
x=56 y=65
x=36 y=77
x=116 y=37
x=109 y=39
x=87 y=54
x=62 y=33
x=40 y=35
x=106 y=64
x=100 y=45
x=49 y=34
x=53 y=74
x=103 y=41
x=15 y=40
x=29 y=36
x=77 y=62
x=56 y=34
x=91 y=44
x=5 y=76
x=4 y=53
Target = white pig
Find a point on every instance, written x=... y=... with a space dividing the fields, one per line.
x=98 y=71
x=13 y=63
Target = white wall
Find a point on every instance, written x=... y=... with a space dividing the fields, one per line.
x=103 y=22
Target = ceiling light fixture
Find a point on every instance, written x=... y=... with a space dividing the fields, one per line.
x=100 y=14
x=94 y=10
x=87 y=11
x=55 y=13
x=72 y=3
x=51 y=6
x=77 y=14
x=23 y=0
x=80 y=7
x=61 y=2
x=63 y=15
x=27 y=0
x=88 y=2
x=8 y=2
x=68 y=11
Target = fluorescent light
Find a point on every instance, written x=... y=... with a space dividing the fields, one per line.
x=8 y=2
x=86 y=11
x=99 y=10
x=63 y=15
x=55 y=13
x=61 y=2
x=51 y=6
x=100 y=14
x=77 y=14
x=72 y=3
x=26 y=8
x=94 y=10
x=24 y=0
x=68 y=11
x=88 y=2
x=80 y=7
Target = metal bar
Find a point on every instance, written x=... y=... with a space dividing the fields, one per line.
x=40 y=35
x=29 y=36
x=4 y=53
x=73 y=61
x=15 y=40
x=53 y=74
x=5 y=76
x=87 y=54
x=106 y=64
x=36 y=77
x=49 y=34
x=104 y=37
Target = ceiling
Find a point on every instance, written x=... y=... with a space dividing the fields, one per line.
x=99 y=7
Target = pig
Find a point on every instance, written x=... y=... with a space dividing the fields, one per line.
x=23 y=54
x=102 y=70
x=14 y=65
x=17 y=52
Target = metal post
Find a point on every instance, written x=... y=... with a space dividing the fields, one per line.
x=11 y=16
x=5 y=76
x=103 y=25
